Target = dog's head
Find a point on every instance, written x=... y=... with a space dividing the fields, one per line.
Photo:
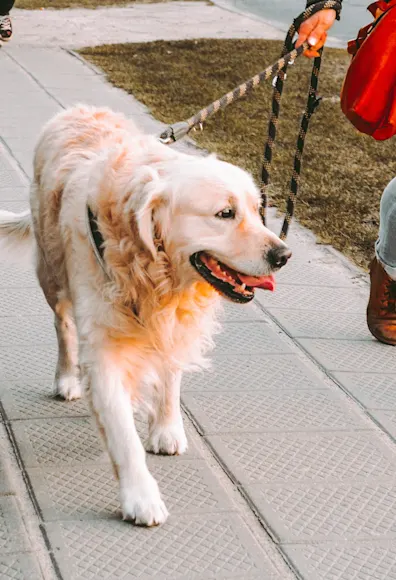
x=205 y=213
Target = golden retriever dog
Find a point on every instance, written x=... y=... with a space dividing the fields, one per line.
x=135 y=243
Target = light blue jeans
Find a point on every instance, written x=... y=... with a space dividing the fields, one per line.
x=385 y=247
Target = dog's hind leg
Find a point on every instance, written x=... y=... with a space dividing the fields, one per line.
x=66 y=383
x=166 y=430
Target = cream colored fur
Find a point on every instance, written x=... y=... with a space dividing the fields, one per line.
x=128 y=335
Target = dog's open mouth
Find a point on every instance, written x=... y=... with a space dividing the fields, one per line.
x=231 y=284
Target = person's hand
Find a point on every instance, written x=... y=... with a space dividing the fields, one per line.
x=315 y=31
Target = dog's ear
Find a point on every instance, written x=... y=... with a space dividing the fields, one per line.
x=148 y=194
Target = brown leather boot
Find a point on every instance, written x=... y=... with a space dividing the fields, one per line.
x=381 y=309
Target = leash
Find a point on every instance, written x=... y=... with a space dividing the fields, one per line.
x=289 y=54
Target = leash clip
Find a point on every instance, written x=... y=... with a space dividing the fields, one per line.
x=174 y=132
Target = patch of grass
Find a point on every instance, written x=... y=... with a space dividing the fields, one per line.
x=58 y=4
x=344 y=172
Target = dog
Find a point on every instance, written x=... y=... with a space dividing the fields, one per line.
x=135 y=244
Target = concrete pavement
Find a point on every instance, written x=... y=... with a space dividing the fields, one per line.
x=77 y=27
x=291 y=471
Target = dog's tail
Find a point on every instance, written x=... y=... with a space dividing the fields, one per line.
x=16 y=236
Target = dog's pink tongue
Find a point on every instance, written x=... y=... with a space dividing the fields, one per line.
x=264 y=282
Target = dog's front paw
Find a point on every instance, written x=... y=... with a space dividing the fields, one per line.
x=167 y=440
x=142 y=504
x=68 y=387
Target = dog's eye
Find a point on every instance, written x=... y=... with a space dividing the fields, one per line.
x=226 y=214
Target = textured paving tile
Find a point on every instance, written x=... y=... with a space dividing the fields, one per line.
x=246 y=373
x=91 y=492
x=15 y=277
x=13 y=537
x=310 y=457
x=30 y=399
x=242 y=312
x=26 y=330
x=387 y=419
x=20 y=122
x=249 y=338
x=23 y=301
x=6 y=486
x=311 y=324
x=14 y=206
x=68 y=441
x=312 y=298
x=371 y=389
x=316 y=512
x=43 y=63
x=374 y=560
x=305 y=270
x=57 y=441
x=90 y=95
x=9 y=176
x=19 y=566
x=271 y=411
x=14 y=194
x=343 y=355
x=194 y=547
x=27 y=363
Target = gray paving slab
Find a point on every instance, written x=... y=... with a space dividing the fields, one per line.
x=14 y=194
x=68 y=441
x=303 y=298
x=27 y=330
x=13 y=537
x=9 y=177
x=254 y=372
x=14 y=206
x=45 y=64
x=16 y=277
x=24 y=301
x=242 y=312
x=346 y=560
x=343 y=355
x=316 y=270
x=197 y=547
x=283 y=458
x=250 y=338
x=59 y=441
x=271 y=411
x=27 y=363
x=34 y=399
x=374 y=391
x=91 y=492
x=319 y=512
x=20 y=566
x=6 y=487
x=315 y=324
x=387 y=419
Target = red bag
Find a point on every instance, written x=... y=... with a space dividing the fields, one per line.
x=368 y=96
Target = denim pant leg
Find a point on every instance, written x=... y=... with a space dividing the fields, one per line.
x=385 y=247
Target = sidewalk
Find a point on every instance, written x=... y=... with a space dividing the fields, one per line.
x=135 y=23
x=291 y=471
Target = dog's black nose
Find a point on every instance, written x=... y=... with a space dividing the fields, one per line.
x=278 y=257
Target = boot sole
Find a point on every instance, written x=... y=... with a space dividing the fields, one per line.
x=388 y=341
